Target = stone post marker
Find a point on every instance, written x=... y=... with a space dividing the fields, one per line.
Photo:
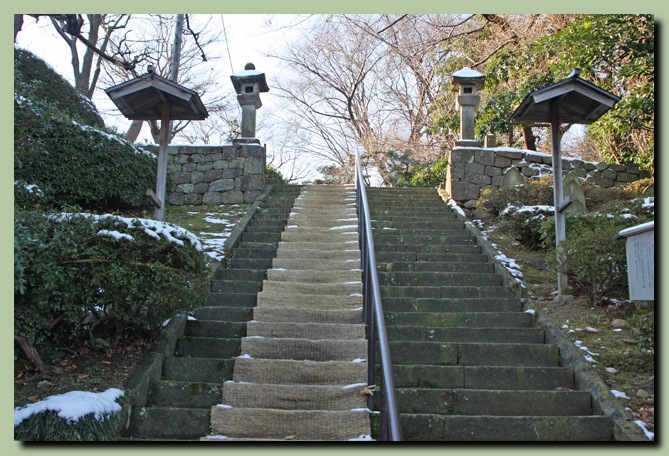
x=248 y=85
x=466 y=82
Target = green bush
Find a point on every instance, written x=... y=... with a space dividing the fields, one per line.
x=80 y=277
x=74 y=164
x=594 y=262
x=525 y=223
x=35 y=80
x=535 y=192
x=644 y=326
x=405 y=171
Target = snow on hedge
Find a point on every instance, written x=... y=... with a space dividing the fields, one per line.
x=153 y=228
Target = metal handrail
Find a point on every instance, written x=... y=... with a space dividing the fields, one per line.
x=374 y=318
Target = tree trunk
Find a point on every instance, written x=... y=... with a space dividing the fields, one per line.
x=530 y=140
x=18 y=24
x=134 y=130
x=30 y=352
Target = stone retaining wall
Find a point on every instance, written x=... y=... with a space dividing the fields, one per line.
x=222 y=174
x=472 y=169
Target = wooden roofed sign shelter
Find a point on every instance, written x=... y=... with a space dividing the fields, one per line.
x=573 y=101
x=153 y=97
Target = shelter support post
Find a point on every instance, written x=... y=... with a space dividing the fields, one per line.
x=161 y=178
x=559 y=204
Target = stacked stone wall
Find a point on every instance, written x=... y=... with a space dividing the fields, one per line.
x=472 y=169
x=222 y=174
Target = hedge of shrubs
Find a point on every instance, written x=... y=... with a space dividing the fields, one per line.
x=86 y=278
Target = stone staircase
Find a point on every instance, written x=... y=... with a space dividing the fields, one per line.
x=302 y=374
x=179 y=402
x=469 y=365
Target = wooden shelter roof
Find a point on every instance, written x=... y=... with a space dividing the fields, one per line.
x=578 y=102
x=142 y=98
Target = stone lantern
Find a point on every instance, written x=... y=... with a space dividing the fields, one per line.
x=467 y=82
x=248 y=85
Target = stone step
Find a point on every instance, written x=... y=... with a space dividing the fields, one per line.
x=493 y=304
x=424 y=240
x=304 y=349
x=493 y=402
x=306 y=315
x=471 y=255
x=304 y=330
x=323 y=224
x=261 y=236
x=350 y=254
x=433 y=266
x=460 y=319
x=446 y=292
x=427 y=252
x=300 y=288
x=215 y=328
x=235 y=286
x=314 y=276
x=257 y=251
x=483 y=377
x=174 y=423
x=291 y=397
x=184 y=394
x=224 y=313
x=302 y=235
x=191 y=369
x=249 y=263
x=322 y=246
x=466 y=334
x=209 y=347
x=427 y=427
x=300 y=372
x=450 y=229
x=434 y=279
x=474 y=354
x=231 y=299
x=246 y=275
x=313 y=264
x=418 y=225
x=288 y=299
x=288 y=424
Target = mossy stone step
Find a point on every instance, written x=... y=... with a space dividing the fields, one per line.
x=185 y=394
x=215 y=328
x=231 y=299
x=452 y=304
x=483 y=377
x=198 y=370
x=410 y=257
x=460 y=319
x=238 y=274
x=235 y=286
x=466 y=334
x=249 y=263
x=209 y=347
x=474 y=353
x=433 y=279
x=224 y=313
x=433 y=266
x=429 y=252
x=177 y=423
x=429 y=427
x=494 y=402
x=424 y=240
x=446 y=292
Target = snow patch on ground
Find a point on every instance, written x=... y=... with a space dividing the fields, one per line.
x=73 y=405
